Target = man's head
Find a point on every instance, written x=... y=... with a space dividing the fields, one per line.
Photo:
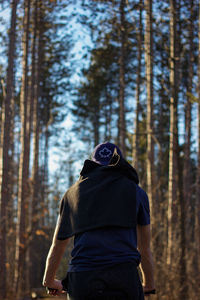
x=103 y=153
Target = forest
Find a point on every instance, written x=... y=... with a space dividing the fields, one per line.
x=74 y=74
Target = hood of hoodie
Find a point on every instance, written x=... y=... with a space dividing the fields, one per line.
x=117 y=163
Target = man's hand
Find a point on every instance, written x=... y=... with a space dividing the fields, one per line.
x=148 y=291
x=55 y=288
x=57 y=249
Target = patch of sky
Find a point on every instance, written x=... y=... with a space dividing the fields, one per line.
x=66 y=146
x=4 y=25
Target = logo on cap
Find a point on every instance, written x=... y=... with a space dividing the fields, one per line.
x=105 y=152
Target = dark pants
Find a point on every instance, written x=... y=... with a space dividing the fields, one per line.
x=117 y=282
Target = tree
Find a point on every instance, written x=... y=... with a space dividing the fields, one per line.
x=122 y=121
x=4 y=149
x=188 y=107
x=173 y=126
x=23 y=167
x=186 y=201
x=135 y=154
x=197 y=225
x=95 y=103
x=49 y=76
x=149 y=86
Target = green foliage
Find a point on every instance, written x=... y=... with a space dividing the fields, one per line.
x=95 y=104
x=55 y=68
x=97 y=93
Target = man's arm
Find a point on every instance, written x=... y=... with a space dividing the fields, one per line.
x=144 y=237
x=53 y=260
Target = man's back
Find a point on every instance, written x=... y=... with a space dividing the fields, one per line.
x=110 y=245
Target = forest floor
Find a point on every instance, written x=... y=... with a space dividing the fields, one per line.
x=63 y=297
x=59 y=298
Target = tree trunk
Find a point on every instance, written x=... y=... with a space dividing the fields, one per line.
x=37 y=205
x=96 y=122
x=23 y=170
x=122 y=121
x=46 y=175
x=187 y=201
x=149 y=84
x=4 y=148
x=35 y=181
x=108 y=115
x=31 y=119
x=11 y=196
x=197 y=210
x=176 y=210
x=173 y=126
x=181 y=263
x=35 y=174
x=135 y=153
x=187 y=148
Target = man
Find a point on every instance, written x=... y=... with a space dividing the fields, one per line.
x=108 y=215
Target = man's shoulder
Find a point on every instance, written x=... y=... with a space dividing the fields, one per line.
x=68 y=193
x=73 y=188
x=143 y=217
x=141 y=192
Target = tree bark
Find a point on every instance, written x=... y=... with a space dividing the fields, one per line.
x=35 y=145
x=96 y=122
x=38 y=61
x=23 y=170
x=45 y=174
x=188 y=106
x=4 y=148
x=188 y=224
x=122 y=121
x=135 y=153
x=31 y=119
x=35 y=179
x=173 y=127
x=197 y=214
x=149 y=84
x=108 y=115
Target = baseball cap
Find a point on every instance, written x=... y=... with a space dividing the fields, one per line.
x=103 y=153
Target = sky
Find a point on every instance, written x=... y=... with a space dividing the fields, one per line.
x=81 y=42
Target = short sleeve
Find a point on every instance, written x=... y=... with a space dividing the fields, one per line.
x=143 y=211
x=63 y=220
